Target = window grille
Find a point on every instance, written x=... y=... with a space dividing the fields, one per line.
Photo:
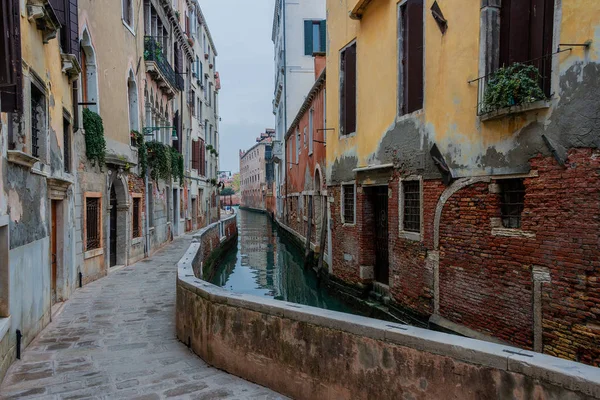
x=67 y=146
x=136 y=218
x=412 y=206
x=348 y=204
x=37 y=120
x=512 y=202
x=92 y=205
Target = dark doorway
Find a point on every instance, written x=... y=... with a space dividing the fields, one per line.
x=113 y=226
x=54 y=252
x=380 y=213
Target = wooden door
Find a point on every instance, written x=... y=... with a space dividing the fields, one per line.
x=53 y=252
x=382 y=264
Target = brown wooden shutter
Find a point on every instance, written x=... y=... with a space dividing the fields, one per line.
x=73 y=28
x=414 y=56
x=342 y=94
x=177 y=142
x=514 y=31
x=59 y=9
x=11 y=72
x=350 y=86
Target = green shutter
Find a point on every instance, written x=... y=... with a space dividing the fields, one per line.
x=323 y=32
x=308 y=38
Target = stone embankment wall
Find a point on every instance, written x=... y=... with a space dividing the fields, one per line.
x=308 y=353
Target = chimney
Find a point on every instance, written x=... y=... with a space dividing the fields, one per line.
x=320 y=61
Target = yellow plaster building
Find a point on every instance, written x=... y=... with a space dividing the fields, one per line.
x=451 y=125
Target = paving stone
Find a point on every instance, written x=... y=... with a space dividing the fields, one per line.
x=115 y=338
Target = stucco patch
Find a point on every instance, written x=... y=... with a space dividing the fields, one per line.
x=15 y=206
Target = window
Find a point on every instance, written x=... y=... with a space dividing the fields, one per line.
x=290 y=152
x=92 y=223
x=128 y=12
x=192 y=102
x=310 y=131
x=66 y=145
x=132 y=96
x=137 y=217
x=348 y=199
x=38 y=121
x=315 y=36
x=348 y=90
x=150 y=194
x=66 y=12
x=199 y=111
x=411 y=206
x=512 y=198
x=305 y=136
x=196 y=155
x=526 y=30
x=297 y=145
x=11 y=87
x=411 y=56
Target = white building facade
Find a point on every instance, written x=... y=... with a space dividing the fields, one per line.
x=299 y=31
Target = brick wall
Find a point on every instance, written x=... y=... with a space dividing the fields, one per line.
x=486 y=280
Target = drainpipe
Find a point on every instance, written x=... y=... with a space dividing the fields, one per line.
x=284 y=167
x=147 y=219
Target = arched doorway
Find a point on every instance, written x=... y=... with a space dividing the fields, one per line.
x=119 y=208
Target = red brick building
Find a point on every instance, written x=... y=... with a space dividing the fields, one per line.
x=304 y=185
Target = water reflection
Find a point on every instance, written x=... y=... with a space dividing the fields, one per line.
x=266 y=265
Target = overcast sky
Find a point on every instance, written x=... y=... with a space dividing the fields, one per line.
x=241 y=30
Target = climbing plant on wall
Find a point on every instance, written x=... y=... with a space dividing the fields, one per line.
x=95 y=144
x=164 y=162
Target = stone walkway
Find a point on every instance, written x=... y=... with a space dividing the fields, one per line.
x=115 y=338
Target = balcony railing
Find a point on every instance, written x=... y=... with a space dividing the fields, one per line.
x=516 y=85
x=153 y=51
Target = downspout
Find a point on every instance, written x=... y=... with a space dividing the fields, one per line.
x=285 y=128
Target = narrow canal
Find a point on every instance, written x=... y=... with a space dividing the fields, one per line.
x=266 y=264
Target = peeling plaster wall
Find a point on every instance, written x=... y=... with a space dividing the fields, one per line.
x=470 y=146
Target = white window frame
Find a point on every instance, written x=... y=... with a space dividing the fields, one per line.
x=353 y=183
x=407 y=234
x=129 y=27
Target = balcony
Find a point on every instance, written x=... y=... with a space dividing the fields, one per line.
x=160 y=69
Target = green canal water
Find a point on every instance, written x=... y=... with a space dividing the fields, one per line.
x=266 y=264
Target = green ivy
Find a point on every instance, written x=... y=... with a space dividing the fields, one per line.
x=512 y=86
x=164 y=162
x=95 y=144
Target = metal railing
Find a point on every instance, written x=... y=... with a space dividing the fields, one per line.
x=153 y=51
x=543 y=67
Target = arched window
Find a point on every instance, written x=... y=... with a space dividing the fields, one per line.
x=132 y=94
x=89 y=77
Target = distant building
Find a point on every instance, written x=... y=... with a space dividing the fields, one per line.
x=305 y=149
x=256 y=172
x=299 y=30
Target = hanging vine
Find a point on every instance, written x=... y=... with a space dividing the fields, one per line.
x=95 y=144
x=164 y=162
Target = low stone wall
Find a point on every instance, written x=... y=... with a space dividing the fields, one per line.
x=310 y=353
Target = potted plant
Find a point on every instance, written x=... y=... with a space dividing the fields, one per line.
x=510 y=86
x=206 y=56
x=177 y=13
x=191 y=41
x=209 y=147
x=210 y=66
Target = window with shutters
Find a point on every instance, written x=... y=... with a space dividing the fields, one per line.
x=11 y=78
x=150 y=194
x=348 y=90
x=66 y=12
x=196 y=155
x=315 y=35
x=297 y=145
x=128 y=13
x=526 y=33
x=410 y=51
x=290 y=145
x=93 y=221
x=348 y=202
